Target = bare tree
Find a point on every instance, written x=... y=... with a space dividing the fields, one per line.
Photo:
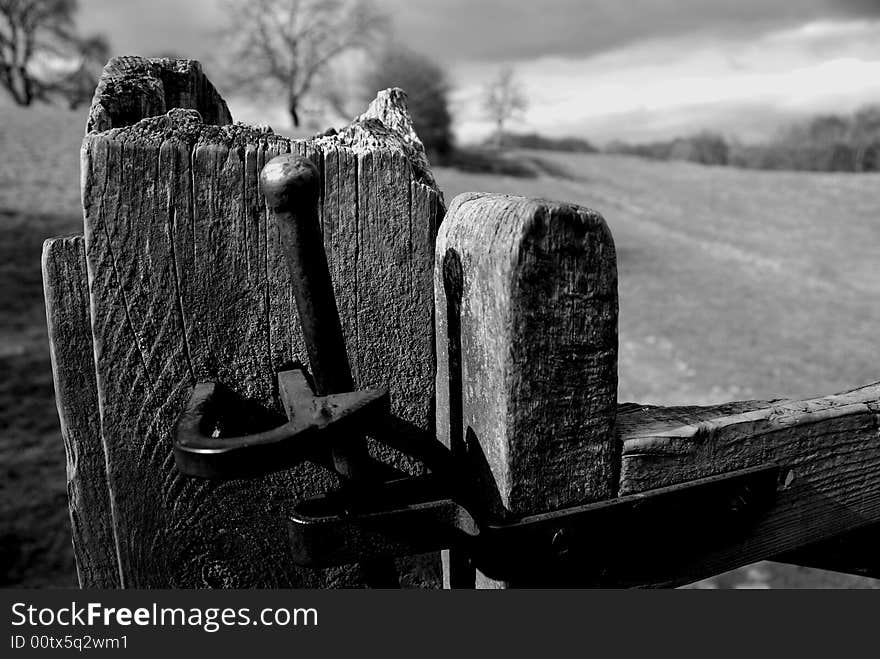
x=41 y=56
x=29 y=30
x=503 y=100
x=77 y=85
x=281 y=47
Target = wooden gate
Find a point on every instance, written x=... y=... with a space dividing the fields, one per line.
x=179 y=278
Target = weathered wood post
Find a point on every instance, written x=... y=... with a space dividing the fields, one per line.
x=187 y=282
x=526 y=314
x=76 y=397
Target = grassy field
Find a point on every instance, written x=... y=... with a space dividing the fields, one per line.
x=39 y=197
x=733 y=284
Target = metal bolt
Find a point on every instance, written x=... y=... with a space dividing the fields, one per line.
x=560 y=543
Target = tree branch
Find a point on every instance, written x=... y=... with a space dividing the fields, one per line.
x=293 y=42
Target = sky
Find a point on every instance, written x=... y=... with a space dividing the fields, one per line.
x=600 y=69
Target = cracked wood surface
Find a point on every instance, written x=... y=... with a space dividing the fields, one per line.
x=526 y=318
x=828 y=450
x=131 y=88
x=187 y=282
x=65 y=285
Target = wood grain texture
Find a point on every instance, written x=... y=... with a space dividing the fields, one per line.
x=526 y=319
x=828 y=450
x=380 y=213
x=65 y=287
x=188 y=283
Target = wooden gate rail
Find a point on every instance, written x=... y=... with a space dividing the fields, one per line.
x=828 y=450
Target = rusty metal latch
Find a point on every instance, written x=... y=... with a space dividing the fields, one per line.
x=603 y=542
x=207 y=443
x=376 y=515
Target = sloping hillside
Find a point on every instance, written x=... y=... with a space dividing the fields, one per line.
x=39 y=197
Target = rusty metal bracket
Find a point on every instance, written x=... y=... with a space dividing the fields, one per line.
x=613 y=541
x=221 y=435
x=610 y=542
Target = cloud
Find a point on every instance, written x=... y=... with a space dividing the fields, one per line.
x=154 y=27
x=462 y=30
x=661 y=88
x=504 y=30
x=594 y=65
x=862 y=8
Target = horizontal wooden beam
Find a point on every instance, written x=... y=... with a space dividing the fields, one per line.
x=827 y=449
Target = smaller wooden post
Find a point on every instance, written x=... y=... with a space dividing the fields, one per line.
x=66 y=289
x=526 y=311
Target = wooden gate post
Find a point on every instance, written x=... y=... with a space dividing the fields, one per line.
x=526 y=309
x=187 y=282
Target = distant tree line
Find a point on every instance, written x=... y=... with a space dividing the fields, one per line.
x=705 y=148
x=538 y=141
x=826 y=143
